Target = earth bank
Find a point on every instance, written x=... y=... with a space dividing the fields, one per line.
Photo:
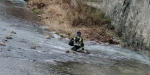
x=70 y=16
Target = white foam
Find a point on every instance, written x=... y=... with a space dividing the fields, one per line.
x=126 y=53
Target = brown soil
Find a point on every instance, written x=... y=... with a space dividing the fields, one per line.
x=64 y=16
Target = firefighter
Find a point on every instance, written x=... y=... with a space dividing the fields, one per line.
x=78 y=42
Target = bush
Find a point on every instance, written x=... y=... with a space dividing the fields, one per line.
x=37 y=11
x=96 y=18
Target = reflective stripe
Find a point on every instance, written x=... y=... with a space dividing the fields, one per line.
x=79 y=42
x=80 y=39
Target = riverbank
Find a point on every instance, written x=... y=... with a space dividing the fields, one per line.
x=28 y=52
x=68 y=17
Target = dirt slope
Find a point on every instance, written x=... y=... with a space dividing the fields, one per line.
x=67 y=16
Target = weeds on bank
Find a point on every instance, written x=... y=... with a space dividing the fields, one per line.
x=88 y=16
x=37 y=11
x=63 y=16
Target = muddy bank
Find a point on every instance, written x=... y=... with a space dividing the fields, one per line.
x=68 y=17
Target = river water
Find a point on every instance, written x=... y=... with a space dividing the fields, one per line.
x=49 y=57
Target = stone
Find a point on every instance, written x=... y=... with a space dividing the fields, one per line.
x=63 y=35
x=71 y=51
x=34 y=60
x=8 y=37
x=74 y=52
x=19 y=48
x=67 y=51
x=48 y=37
x=2 y=44
x=8 y=49
x=86 y=52
x=46 y=28
x=4 y=40
x=56 y=36
x=13 y=32
x=33 y=47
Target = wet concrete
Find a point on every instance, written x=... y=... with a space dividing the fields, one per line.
x=49 y=57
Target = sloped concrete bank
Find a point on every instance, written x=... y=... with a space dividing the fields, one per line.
x=132 y=22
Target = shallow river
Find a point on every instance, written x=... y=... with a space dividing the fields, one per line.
x=49 y=57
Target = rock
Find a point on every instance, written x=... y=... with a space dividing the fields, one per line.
x=113 y=41
x=19 y=48
x=4 y=40
x=45 y=27
x=48 y=37
x=34 y=60
x=41 y=5
x=63 y=35
x=67 y=39
x=8 y=49
x=44 y=51
x=2 y=44
x=13 y=32
x=39 y=15
x=86 y=52
x=74 y=52
x=56 y=36
x=111 y=27
x=71 y=51
x=33 y=47
x=8 y=37
x=67 y=51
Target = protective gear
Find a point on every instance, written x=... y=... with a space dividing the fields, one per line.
x=71 y=42
x=77 y=41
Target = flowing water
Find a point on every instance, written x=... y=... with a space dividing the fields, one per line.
x=49 y=57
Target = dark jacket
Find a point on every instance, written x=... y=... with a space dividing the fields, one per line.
x=78 y=41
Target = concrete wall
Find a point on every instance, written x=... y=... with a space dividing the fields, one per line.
x=131 y=19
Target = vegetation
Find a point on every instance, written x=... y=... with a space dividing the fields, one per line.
x=37 y=11
x=70 y=16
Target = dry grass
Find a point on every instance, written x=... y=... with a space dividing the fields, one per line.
x=36 y=2
x=67 y=16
